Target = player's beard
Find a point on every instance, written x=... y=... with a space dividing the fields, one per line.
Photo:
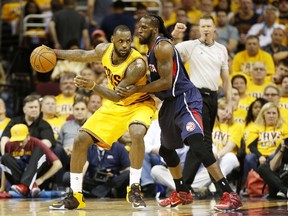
x=145 y=40
x=122 y=55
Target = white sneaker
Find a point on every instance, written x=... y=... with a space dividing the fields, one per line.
x=281 y=194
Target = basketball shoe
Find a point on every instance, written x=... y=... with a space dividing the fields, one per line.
x=176 y=198
x=134 y=196
x=35 y=191
x=20 y=189
x=73 y=200
x=229 y=202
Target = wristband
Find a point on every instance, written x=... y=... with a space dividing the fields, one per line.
x=94 y=84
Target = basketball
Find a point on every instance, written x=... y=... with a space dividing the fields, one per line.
x=43 y=59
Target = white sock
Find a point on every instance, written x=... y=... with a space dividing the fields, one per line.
x=76 y=180
x=135 y=175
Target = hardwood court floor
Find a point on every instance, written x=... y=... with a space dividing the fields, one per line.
x=119 y=207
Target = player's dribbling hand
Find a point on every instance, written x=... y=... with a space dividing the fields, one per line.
x=178 y=29
x=126 y=91
x=83 y=83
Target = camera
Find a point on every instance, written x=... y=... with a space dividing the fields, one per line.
x=101 y=175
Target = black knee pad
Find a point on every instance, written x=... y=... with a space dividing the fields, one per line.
x=196 y=144
x=170 y=156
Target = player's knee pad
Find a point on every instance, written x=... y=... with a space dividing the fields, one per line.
x=196 y=144
x=170 y=156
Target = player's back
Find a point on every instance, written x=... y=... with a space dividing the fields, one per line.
x=180 y=78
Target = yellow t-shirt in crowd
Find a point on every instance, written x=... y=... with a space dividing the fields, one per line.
x=64 y=105
x=242 y=62
x=222 y=133
x=3 y=124
x=269 y=138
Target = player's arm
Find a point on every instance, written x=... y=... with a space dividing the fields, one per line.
x=164 y=55
x=134 y=72
x=80 y=55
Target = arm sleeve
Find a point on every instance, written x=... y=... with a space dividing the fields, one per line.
x=253 y=148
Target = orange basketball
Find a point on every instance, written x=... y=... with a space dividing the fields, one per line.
x=43 y=59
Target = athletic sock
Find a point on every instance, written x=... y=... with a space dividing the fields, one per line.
x=76 y=180
x=180 y=186
x=224 y=185
x=135 y=175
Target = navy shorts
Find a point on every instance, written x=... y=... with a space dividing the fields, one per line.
x=180 y=117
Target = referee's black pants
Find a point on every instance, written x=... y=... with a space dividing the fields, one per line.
x=209 y=112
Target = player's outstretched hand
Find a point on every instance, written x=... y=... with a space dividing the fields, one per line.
x=84 y=83
x=126 y=91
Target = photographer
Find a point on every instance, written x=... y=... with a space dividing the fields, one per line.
x=275 y=173
x=106 y=170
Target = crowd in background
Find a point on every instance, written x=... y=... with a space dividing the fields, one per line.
x=255 y=33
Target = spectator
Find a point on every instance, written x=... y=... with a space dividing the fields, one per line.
x=275 y=173
x=259 y=80
x=98 y=36
x=243 y=20
x=283 y=12
x=4 y=120
x=194 y=32
x=30 y=162
x=281 y=71
x=239 y=81
x=226 y=137
x=226 y=6
x=37 y=126
x=192 y=10
x=94 y=103
x=238 y=114
x=48 y=109
x=118 y=17
x=168 y=12
x=67 y=25
x=226 y=33
x=264 y=137
x=207 y=8
x=272 y=94
x=243 y=61
x=265 y=29
x=97 y=11
x=65 y=99
x=181 y=17
x=252 y=113
x=277 y=38
x=99 y=70
x=70 y=129
x=106 y=170
x=283 y=103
